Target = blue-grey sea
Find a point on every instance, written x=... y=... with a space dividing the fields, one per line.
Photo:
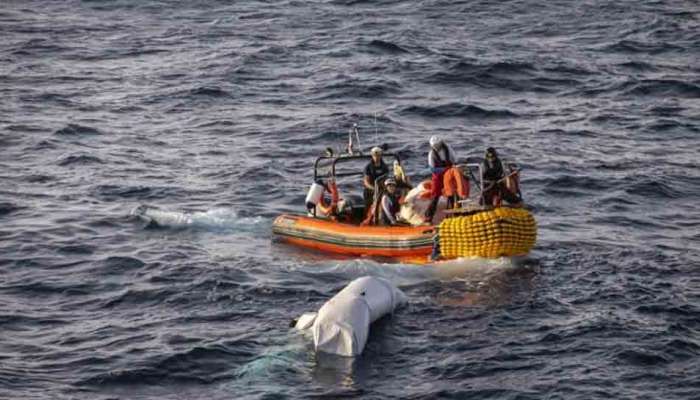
x=211 y=113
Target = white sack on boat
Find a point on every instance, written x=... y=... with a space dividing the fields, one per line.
x=414 y=209
x=342 y=324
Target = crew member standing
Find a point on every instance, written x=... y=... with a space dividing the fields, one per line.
x=440 y=158
x=374 y=169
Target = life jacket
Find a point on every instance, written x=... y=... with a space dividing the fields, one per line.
x=454 y=182
x=329 y=209
x=439 y=162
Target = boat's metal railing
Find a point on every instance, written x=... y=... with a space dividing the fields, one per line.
x=333 y=160
x=479 y=179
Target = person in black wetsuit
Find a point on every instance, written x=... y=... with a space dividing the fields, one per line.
x=375 y=168
x=495 y=188
x=390 y=204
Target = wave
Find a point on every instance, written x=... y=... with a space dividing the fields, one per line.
x=457 y=110
x=200 y=364
x=635 y=47
x=664 y=87
x=386 y=47
x=666 y=125
x=209 y=92
x=507 y=75
x=640 y=66
x=641 y=358
x=38 y=178
x=82 y=159
x=344 y=91
x=120 y=263
x=77 y=249
x=141 y=298
x=649 y=188
x=77 y=130
x=7 y=208
x=568 y=184
x=115 y=192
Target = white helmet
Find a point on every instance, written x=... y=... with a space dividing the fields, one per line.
x=376 y=150
x=435 y=141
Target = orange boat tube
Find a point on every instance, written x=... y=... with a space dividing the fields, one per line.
x=399 y=242
x=499 y=232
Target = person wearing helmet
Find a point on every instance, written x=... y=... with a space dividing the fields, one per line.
x=375 y=169
x=440 y=158
x=390 y=204
x=495 y=181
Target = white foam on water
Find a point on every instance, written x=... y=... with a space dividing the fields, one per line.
x=470 y=269
x=214 y=219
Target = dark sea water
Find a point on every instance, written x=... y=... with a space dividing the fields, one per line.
x=214 y=111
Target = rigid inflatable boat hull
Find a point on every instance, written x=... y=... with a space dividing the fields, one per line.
x=398 y=242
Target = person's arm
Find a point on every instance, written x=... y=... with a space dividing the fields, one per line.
x=365 y=179
x=451 y=155
x=431 y=159
x=387 y=210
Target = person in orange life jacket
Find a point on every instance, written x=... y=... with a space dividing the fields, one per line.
x=390 y=206
x=440 y=157
x=374 y=169
x=493 y=179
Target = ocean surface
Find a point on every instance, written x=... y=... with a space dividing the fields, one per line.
x=208 y=115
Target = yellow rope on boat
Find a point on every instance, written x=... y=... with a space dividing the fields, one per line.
x=501 y=232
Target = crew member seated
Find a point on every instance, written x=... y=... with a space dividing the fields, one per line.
x=390 y=206
x=498 y=186
x=328 y=208
x=374 y=169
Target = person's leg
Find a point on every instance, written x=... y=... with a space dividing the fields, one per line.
x=368 y=197
x=488 y=196
x=436 y=191
x=508 y=196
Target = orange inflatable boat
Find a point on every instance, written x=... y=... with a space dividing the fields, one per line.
x=403 y=243
x=336 y=224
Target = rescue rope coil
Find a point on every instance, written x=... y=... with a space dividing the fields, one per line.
x=501 y=232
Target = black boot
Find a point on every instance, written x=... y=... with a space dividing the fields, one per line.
x=430 y=213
